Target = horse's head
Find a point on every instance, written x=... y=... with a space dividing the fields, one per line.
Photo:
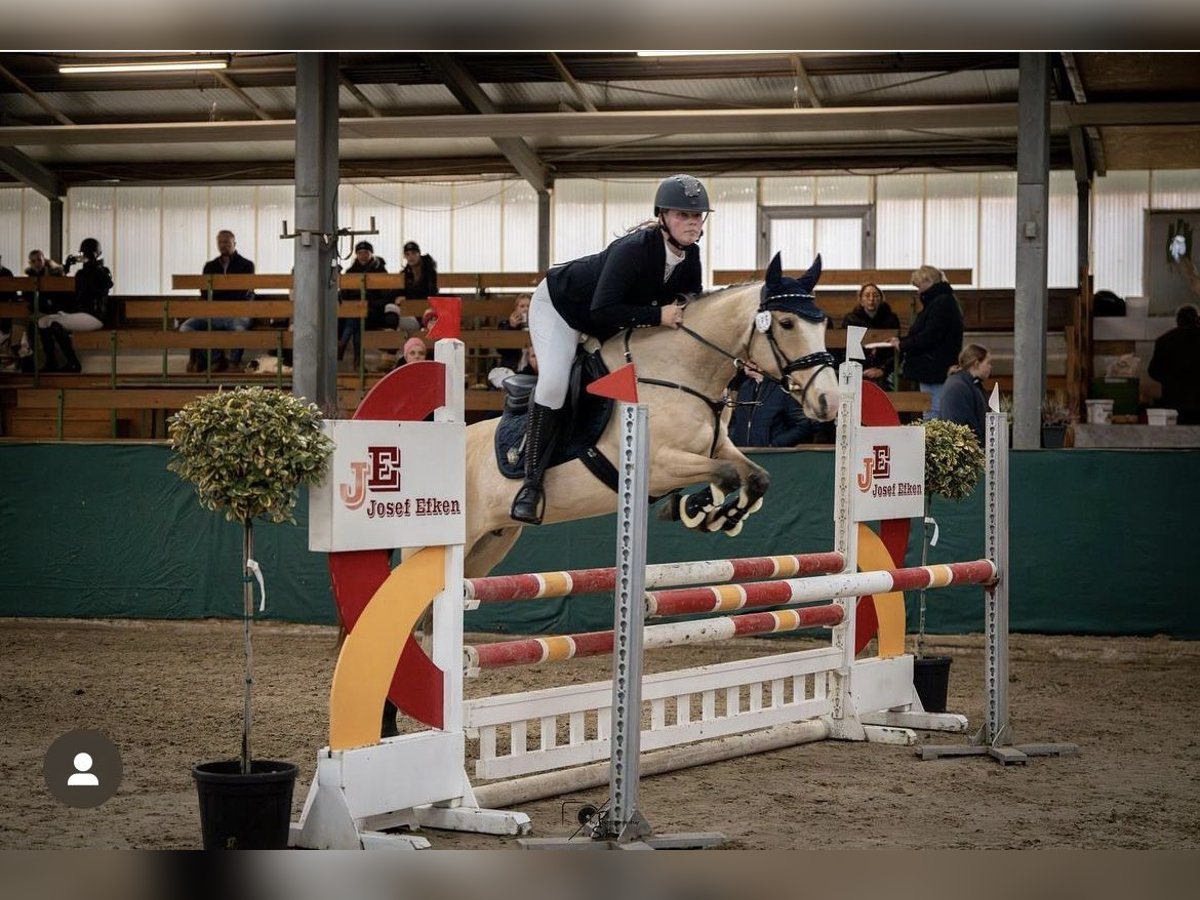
x=794 y=330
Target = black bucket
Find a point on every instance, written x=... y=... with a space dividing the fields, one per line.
x=245 y=812
x=931 y=678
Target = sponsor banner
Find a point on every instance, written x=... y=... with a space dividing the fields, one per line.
x=888 y=481
x=390 y=485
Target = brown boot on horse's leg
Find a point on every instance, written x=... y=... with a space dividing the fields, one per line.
x=527 y=506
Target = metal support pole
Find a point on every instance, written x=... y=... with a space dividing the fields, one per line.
x=621 y=824
x=995 y=737
x=624 y=821
x=1033 y=175
x=543 y=230
x=56 y=229
x=315 y=280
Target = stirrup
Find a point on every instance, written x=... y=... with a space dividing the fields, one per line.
x=527 y=506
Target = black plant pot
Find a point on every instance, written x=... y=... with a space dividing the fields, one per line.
x=245 y=812
x=1054 y=436
x=931 y=678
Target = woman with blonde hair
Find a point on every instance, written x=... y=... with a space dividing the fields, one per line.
x=963 y=400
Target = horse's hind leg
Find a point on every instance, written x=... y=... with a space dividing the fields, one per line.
x=487 y=552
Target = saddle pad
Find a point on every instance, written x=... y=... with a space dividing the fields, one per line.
x=586 y=417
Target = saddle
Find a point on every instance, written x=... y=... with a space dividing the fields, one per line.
x=585 y=417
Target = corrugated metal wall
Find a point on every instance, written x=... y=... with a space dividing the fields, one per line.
x=946 y=219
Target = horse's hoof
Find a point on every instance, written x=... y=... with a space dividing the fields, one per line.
x=735 y=530
x=718 y=495
x=755 y=507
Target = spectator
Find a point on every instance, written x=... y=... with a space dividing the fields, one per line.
x=86 y=310
x=420 y=273
x=935 y=338
x=414 y=351
x=227 y=262
x=1176 y=365
x=766 y=415
x=873 y=312
x=382 y=313
x=6 y=351
x=963 y=400
x=517 y=320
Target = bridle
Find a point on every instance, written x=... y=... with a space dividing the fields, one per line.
x=817 y=361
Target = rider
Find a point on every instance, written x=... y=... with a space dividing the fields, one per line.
x=633 y=283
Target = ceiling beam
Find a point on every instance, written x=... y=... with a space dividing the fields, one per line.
x=565 y=74
x=358 y=95
x=31 y=172
x=232 y=85
x=472 y=97
x=949 y=117
x=35 y=96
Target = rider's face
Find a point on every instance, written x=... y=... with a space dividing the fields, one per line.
x=684 y=226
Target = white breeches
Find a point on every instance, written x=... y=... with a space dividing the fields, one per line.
x=76 y=321
x=554 y=341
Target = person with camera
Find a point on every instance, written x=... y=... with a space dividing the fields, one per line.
x=227 y=262
x=420 y=273
x=85 y=310
x=517 y=320
x=633 y=283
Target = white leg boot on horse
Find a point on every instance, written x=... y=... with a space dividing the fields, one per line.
x=529 y=503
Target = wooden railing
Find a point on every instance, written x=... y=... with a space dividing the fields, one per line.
x=147 y=324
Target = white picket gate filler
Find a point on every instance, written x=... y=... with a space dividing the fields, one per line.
x=697 y=716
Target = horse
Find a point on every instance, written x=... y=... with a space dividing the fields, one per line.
x=682 y=373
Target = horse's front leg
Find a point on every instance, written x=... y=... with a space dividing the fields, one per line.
x=729 y=514
x=736 y=486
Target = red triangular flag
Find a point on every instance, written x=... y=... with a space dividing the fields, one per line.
x=618 y=385
x=446 y=321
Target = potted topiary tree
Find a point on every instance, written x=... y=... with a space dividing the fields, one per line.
x=953 y=461
x=247 y=452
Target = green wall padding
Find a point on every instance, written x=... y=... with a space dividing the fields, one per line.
x=1101 y=543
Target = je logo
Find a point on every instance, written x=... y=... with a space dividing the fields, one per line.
x=384 y=468
x=876 y=466
x=82 y=768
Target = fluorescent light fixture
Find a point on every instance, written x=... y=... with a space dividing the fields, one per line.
x=706 y=52
x=161 y=65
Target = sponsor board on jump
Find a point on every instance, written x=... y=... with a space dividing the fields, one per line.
x=889 y=475
x=388 y=485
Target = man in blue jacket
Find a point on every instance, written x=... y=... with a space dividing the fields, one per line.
x=767 y=416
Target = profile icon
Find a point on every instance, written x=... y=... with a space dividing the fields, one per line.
x=82 y=768
x=83 y=777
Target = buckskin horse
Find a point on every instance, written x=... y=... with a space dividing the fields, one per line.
x=682 y=374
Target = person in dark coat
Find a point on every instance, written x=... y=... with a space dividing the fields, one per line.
x=227 y=262
x=420 y=273
x=963 y=400
x=935 y=339
x=873 y=311
x=1176 y=365
x=382 y=312
x=632 y=283
x=766 y=415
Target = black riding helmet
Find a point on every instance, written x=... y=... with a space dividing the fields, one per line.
x=681 y=192
x=89 y=248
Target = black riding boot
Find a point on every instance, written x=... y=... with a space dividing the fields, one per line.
x=63 y=337
x=542 y=434
x=49 y=363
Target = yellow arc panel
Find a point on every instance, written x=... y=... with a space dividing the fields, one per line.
x=889 y=607
x=371 y=651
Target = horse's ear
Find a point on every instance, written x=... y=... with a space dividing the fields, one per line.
x=809 y=279
x=775 y=269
